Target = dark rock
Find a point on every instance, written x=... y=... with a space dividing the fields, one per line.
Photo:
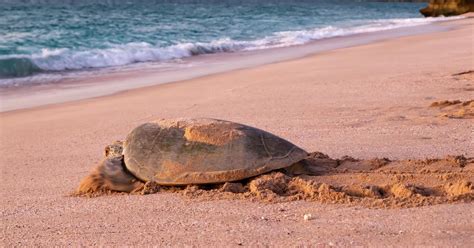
x=447 y=8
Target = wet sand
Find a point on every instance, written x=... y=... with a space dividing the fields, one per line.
x=94 y=83
x=370 y=101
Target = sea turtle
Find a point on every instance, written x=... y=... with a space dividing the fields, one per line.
x=190 y=151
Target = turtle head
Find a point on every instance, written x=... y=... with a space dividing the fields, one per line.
x=114 y=150
x=110 y=175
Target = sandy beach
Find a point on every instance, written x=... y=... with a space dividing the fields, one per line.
x=377 y=100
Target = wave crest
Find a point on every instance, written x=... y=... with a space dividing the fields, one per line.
x=119 y=55
x=17 y=67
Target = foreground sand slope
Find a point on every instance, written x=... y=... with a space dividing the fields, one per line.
x=365 y=102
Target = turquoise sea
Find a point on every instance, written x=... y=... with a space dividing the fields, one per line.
x=41 y=37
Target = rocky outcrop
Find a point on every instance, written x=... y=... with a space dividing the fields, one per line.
x=448 y=7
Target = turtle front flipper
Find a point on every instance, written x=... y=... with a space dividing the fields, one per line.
x=110 y=175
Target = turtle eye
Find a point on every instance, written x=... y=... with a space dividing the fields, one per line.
x=107 y=151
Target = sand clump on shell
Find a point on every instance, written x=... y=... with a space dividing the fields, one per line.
x=374 y=183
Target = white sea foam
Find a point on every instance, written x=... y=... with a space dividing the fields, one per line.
x=119 y=55
x=291 y=38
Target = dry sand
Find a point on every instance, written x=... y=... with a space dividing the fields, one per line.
x=370 y=101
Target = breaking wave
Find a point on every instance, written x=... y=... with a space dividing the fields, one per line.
x=55 y=60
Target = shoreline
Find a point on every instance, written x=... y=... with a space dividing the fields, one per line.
x=109 y=83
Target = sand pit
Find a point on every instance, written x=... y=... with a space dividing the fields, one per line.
x=455 y=109
x=373 y=183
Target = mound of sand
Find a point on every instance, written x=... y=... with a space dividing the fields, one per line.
x=379 y=183
x=455 y=109
x=468 y=75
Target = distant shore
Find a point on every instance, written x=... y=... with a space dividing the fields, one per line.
x=105 y=82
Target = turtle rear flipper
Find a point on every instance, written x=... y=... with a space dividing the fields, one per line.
x=301 y=168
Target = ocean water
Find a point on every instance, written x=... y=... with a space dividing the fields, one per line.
x=44 y=37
